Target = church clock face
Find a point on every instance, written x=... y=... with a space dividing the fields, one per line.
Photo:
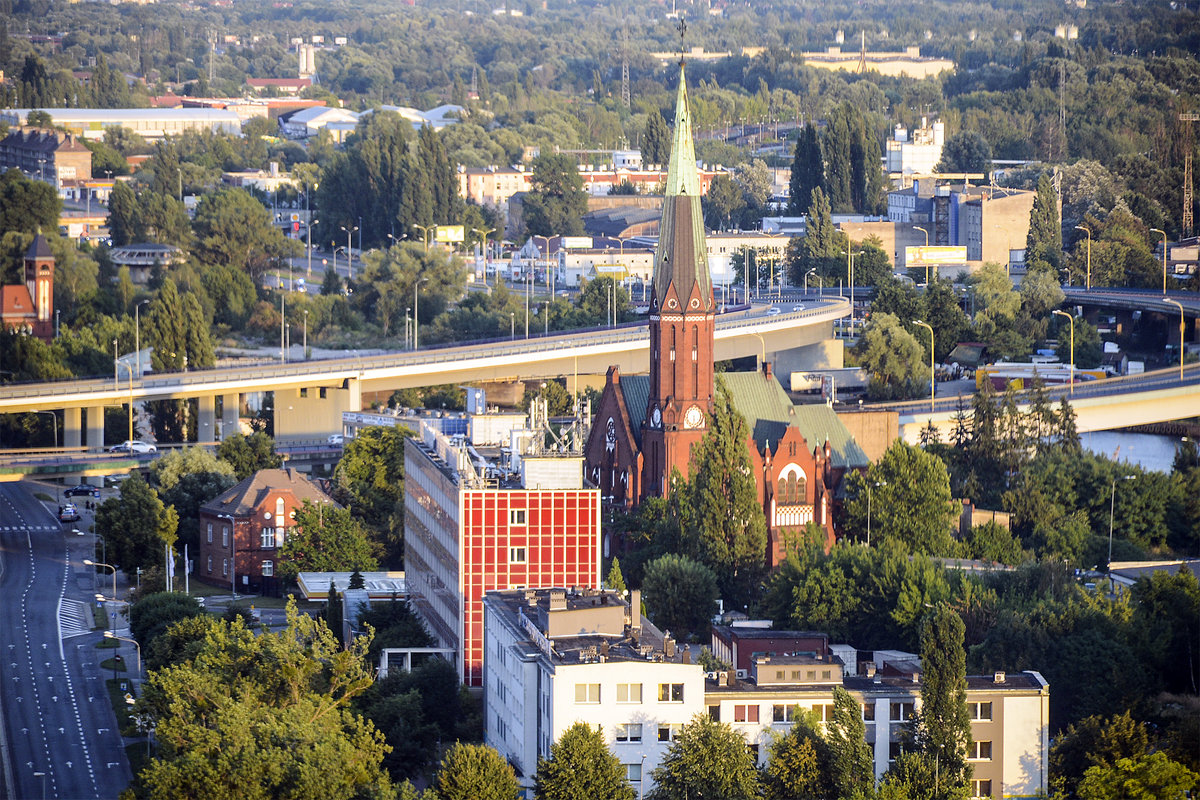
x=656 y=418
x=610 y=435
x=694 y=418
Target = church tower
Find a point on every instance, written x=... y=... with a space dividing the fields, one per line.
x=39 y=278
x=682 y=310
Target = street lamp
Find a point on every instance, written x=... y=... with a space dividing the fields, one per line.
x=1112 y=507
x=88 y=562
x=306 y=334
x=871 y=484
x=1088 y=231
x=134 y=642
x=922 y=230
x=1181 y=331
x=126 y=366
x=137 y=334
x=1164 y=235
x=484 y=233
x=932 y=372
x=308 y=235
x=424 y=234
x=54 y=417
x=416 y=341
x=810 y=272
x=1072 y=321
x=850 y=275
x=349 y=257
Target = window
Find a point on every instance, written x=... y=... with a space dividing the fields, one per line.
x=633 y=773
x=810 y=675
x=868 y=711
x=981 y=788
x=516 y=555
x=826 y=674
x=210 y=533
x=783 y=713
x=714 y=713
x=824 y=712
x=980 y=711
x=670 y=693
x=894 y=751
x=224 y=566
x=780 y=674
x=516 y=517
x=267 y=539
x=902 y=711
x=668 y=733
x=629 y=732
x=224 y=536
x=981 y=751
x=587 y=693
x=629 y=693
x=210 y=565
x=268 y=568
x=745 y=713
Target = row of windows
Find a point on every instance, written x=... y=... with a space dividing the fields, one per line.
x=268 y=567
x=628 y=693
x=979 y=751
x=806 y=675
x=631 y=732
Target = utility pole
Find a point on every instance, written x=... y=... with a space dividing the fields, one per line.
x=1188 y=117
x=625 y=66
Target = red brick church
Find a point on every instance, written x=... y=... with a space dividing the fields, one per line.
x=28 y=307
x=646 y=426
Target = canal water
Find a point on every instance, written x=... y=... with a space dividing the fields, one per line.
x=1145 y=450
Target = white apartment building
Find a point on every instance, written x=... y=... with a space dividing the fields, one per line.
x=554 y=657
x=917 y=154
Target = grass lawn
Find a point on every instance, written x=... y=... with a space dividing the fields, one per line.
x=100 y=616
x=113 y=664
x=116 y=696
x=108 y=644
x=136 y=753
x=45 y=498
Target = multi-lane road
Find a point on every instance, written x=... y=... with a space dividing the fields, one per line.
x=58 y=729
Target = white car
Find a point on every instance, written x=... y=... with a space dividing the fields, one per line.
x=337 y=438
x=773 y=311
x=133 y=446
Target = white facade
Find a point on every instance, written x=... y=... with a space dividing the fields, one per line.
x=149 y=123
x=918 y=155
x=537 y=686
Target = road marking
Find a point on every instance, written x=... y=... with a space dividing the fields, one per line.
x=73 y=618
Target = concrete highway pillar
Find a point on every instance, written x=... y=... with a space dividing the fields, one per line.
x=311 y=413
x=230 y=411
x=206 y=431
x=72 y=427
x=95 y=428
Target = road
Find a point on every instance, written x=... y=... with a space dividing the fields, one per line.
x=57 y=720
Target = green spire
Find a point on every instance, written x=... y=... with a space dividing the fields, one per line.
x=682 y=177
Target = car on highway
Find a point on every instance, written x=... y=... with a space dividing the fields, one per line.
x=82 y=490
x=337 y=438
x=133 y=446
x=68 y=513
x=773 y=311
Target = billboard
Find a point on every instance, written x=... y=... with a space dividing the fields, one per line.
x=447 y=234
x=934 y=255
x=577 y=242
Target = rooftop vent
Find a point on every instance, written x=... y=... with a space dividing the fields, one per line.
x=999 y=677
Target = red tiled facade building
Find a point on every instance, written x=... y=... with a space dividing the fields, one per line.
x=29 y=307
x=243 y=529
x=647 y=426
x=465 y=535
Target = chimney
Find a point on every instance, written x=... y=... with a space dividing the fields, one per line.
x=668 y=646
x=998 y=677
x=635 y=608
x=604 y=649
x=871 y=670
x=767 y=371
x=558 y=600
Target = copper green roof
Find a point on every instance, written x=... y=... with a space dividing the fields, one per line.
x=769 y=412
x=636 y=389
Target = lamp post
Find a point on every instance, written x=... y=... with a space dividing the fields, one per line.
x=126 y=366
x=549 y=271
x=512 y=325
x=88 y=562
x=424 y=234
x=1164 y=235
x=134 y=642
x=484 y=233
x=1182 y=328
x=871 y=484
x=416 y=341
x=349 y=257
x=810 y=272
x=850 y=275
x=1088 y=231
x=308 y=235
x=137 y=334
x=306 y=334
x=1112 y=507
x=932 y=372
x=922 y=230
x=1072 y=321
x=54 y=417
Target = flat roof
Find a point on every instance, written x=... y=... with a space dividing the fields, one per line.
x=378 y=585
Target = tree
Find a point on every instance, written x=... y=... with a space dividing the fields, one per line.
x=152 y=615
x=581 y=767
x=708 y=760
x=248 y=454
x=326 y=539
x=730 y=531
x=475 y=772
x=656 y=140
x=169 y=469
x=1043 y=243
x=234 y=229
x=807 y=171
x=894 y=357
x=370 y=482
x=124 y=214
x=615 y=580
x=263 y=715
x=177 y=330
x=1094 y=741
x=966 y=151
x=821 y=246
x=723 y=201
x=852 y=767
x=910 y=501
x=1146 y=777
x=556 y=202
x=680 y=594
x=136 y=525
x=799 y=762
x=26 y=205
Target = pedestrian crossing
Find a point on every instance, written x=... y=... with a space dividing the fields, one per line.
x=74 y=618
x=31 y=528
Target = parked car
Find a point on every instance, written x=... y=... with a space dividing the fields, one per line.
x=82 y=490
x=337 y=438
x=133 y=446
x=68 y=513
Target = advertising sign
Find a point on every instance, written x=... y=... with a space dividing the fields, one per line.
x=934 y=255
x=577 y=242
x=446 y=234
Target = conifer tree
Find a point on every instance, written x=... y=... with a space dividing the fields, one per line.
x=808 y=171
x=615 y=580
x=656 y=140
x=1043 y=243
